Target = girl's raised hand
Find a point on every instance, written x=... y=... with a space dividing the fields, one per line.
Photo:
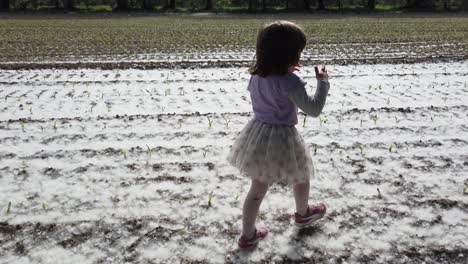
x=322 y=75
x=293 y=68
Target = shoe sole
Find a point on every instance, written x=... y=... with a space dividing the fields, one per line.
x=310 y=221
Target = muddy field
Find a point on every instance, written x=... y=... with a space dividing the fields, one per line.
x=113 y=166
x=151 y=42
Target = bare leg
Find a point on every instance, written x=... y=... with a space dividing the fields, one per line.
x=301 y=195
x=251 y=206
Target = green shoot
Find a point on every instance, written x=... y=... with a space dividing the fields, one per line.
x=167 y=92
x=124 y=152
x=305 y=121
x=43 y=205
x=8 y=207
x=210 y=197
x=361 y=122
x=388 y=101
x=315 y=149
x=30 y=110
x=181 y=231
x=108 y=106
x=361 y=148
x=149 y=151
x=380 y=195
x=237 y=197
x=322 y=120
x=204 y=154
x=375 y=118
x=226 y=121
x=210 y=122
x=392 y=146
x=397 y=120
x=55 y=125
x=465 y=189
x=23 y=126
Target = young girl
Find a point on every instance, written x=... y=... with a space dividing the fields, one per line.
x=269 y=148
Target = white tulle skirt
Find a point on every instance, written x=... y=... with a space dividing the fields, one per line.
x=272 y=154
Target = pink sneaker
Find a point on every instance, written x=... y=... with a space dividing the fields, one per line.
x=314 y=213
x=260 y=233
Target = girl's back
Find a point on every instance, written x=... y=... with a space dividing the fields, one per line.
x=270 y=98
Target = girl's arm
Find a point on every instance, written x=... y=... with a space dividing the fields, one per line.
x=313 y=105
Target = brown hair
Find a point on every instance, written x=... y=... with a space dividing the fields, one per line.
x=279 y=45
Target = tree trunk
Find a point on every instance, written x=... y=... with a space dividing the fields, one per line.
x=321 y=5
x=147 y=5
x=209 y=5
x=250 y=5
x=306 y=5
x=170 y=4
x=264 y=5
x=4 y=5
x=465 y=5
x=68 y=5
x=371 y=4
x=121 y=5
x=446 y=5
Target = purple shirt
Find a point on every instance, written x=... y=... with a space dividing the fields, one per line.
x=270 y=98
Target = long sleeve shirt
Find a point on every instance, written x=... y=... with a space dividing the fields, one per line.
x=276 y=98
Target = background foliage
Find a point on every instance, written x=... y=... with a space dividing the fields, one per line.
x=232 y=5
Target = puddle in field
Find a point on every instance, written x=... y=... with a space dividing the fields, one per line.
x=114 y=166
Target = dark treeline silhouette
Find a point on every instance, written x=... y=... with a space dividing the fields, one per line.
x=232 y=5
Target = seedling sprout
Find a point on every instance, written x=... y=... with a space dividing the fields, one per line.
x=149 y=151
x=210 y=197
x=8 y=207
x=226 y=121
x=392 y=146
x=361 y=148
x=375 y=118
x=322 y=120
x=210 y=121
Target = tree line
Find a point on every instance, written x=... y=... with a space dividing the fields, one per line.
x=249 y=5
